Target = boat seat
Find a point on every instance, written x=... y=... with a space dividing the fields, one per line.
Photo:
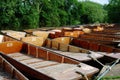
x=65 y=40
x=63 y=47
x=38 y=41
x=10 y=47
x=16 y=34
x=55 y=45
x=41 y=34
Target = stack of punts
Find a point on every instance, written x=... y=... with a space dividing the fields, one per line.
x=8 y=71
x=39 y=63
x=62 y=46
x=50 y=44
x=109 y=44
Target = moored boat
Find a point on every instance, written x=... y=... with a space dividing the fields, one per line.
x=8 y=71
x=42 y=64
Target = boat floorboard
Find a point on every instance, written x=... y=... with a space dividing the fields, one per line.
x=54 y=69
x=78 y=56
x=5 y=76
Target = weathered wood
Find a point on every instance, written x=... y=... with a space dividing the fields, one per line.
x=10 y=47
x=15 y=34
x=48 y=60
x=15 y=74
x=38 y=41
x=105 y=48
x=41 y=34
x=74 y=49
x=63 y=47
x=65 y=40
x=55 y=45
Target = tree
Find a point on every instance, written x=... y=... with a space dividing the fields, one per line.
x=91 y=12
x=113 y=9
x=49 y=15
x=7 y=14
x=71 y=7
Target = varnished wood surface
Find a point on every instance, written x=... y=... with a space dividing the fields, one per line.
x=54 y=69
x=14 y=74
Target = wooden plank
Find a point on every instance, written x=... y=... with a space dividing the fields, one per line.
x=43 y=34
x=65 y=40
x=74 y=49
x=43 y=54
x=59 y=72
x=94 y=46
x=42 y=64
x=32 y=61
x=15 y=74
x=48 y=43
x=55 y=57
x=10 y=47
x=86 y=69
x=32 y=50
x=84 y=44
x=16 y=34
x=17 y=54
x=55 y=45
x=79 y=56
x=21 y=58
x=105 y=48
x=38 y=41
x=63 y=47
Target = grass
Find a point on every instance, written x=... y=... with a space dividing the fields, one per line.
x=111 y=78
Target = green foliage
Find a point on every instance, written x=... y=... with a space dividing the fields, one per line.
x=91 y=12
x=113 y=9
x=49 y=15
x=111 y=78
x=24 y=14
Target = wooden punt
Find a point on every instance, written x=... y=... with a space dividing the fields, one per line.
x=113 y=41
x=39 y=63
x=94 y=46
x=74 y=52
x=61 y=44
x=101 y=38
x=8 y=71
x=14 y=34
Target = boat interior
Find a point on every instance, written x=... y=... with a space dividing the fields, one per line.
x=45 y=62
x=66 y=53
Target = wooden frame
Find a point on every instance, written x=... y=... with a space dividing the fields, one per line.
x=9 y=68
x=19 y=61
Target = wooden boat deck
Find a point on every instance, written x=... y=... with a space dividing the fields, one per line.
x=54 y=69
x=78 y=56
x=5 y=75
x=9 y=72
x=44 y=64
